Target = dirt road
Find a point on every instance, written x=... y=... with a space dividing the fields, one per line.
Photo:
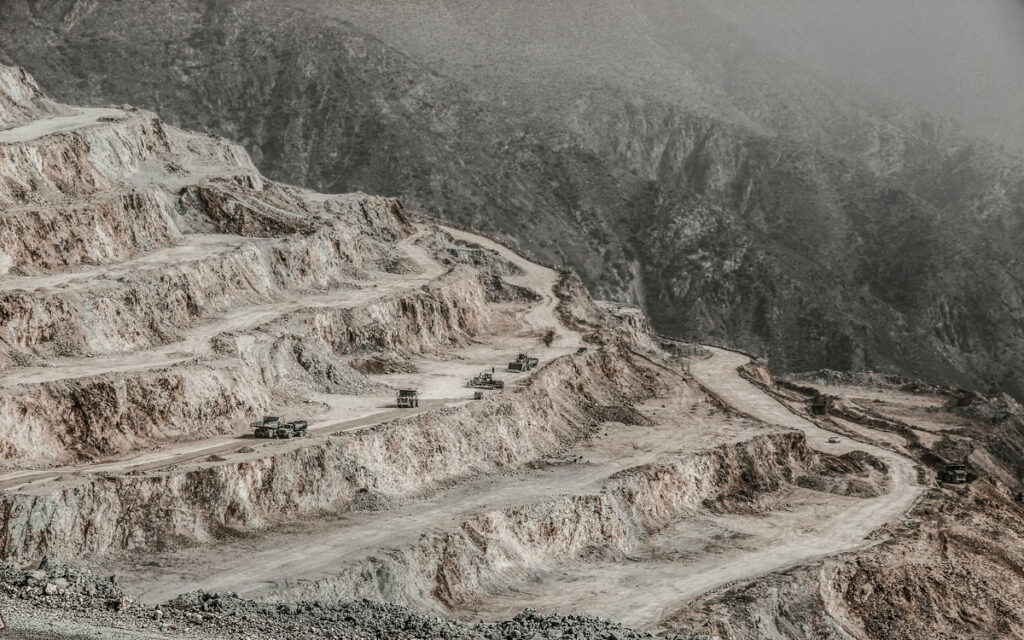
x=84 y=117
x=441 y=382
x=281 y=562
x=696 y=556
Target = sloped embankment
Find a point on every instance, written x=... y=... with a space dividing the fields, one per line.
x=951 y=570
x=116 y=413
x=492 y=551
x=561 y=404
x=154 y=306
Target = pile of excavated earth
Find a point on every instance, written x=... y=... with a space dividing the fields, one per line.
x=157 y=295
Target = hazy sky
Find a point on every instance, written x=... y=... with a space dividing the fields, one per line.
x=958 y=58
x=963 y=58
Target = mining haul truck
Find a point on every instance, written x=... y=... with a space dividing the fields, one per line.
x=408 y=398
x=523 y=363
x=273 y=427
x=266 y=428
x=485 y=381
x=822 y=404
x=954 y=474
x=296 y=429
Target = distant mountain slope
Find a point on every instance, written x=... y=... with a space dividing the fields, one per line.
x=738 y=198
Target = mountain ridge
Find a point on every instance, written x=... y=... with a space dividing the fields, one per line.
x=722 y=232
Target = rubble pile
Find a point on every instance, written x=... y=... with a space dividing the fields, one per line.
x=54 y=589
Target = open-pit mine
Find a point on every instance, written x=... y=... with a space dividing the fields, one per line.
x=158 y=295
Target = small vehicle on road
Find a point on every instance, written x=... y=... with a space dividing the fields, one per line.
x=297 y=429
x=833 y=440
x=955 y=473
x=266 y=428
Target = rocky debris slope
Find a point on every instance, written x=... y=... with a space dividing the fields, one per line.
x=950 y=570
x=21 y=99
x=45 y=597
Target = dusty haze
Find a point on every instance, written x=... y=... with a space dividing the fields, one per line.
x=960 y=59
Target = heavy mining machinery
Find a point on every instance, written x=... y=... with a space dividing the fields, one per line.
x=485 y=380
x=954 y=474
x=274 y=427
x=408 y=398
x=523 y=362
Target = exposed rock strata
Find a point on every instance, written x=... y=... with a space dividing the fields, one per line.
x=400 y=458
x=493 y=551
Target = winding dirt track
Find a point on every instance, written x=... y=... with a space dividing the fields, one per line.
x=196 y=344
x=848 y=531
x=701 y=554
x=535 y=277
x=84 y=117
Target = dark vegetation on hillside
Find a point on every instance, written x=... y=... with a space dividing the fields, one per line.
x=796 y=220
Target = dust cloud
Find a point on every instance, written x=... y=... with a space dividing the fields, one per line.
x=959 y=59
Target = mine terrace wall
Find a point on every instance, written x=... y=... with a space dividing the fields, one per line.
x=556 y=407
x=491 y=552
x=115 y=414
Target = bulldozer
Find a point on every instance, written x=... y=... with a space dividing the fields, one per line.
x=523 y=362
x=485 y=380
x=408 y=398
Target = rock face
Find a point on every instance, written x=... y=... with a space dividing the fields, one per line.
x=21 y=98
x=396 y=459
x=125 y=238
x=724 y=228
x=497 y=549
